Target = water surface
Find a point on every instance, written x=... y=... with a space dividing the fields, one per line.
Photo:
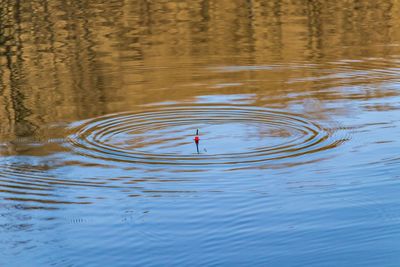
x=297 y=104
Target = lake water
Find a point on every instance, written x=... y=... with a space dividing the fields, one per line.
x=298 y=109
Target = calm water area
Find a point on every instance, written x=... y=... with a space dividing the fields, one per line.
x=298 y=109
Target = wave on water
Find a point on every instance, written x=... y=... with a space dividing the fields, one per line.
x=100 y=137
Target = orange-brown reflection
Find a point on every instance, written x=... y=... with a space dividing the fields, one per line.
x=66 y=61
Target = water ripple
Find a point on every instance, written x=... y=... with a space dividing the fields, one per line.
x=163 y=136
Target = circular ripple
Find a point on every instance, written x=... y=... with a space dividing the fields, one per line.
x=243 y=135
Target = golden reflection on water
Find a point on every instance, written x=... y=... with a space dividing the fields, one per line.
x=64 y=61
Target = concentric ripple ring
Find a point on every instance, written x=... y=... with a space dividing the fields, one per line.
x=95 y=137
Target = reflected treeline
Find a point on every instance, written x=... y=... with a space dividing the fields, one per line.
x=69 y=60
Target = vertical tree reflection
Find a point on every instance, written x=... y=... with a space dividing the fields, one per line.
x=70 y=60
